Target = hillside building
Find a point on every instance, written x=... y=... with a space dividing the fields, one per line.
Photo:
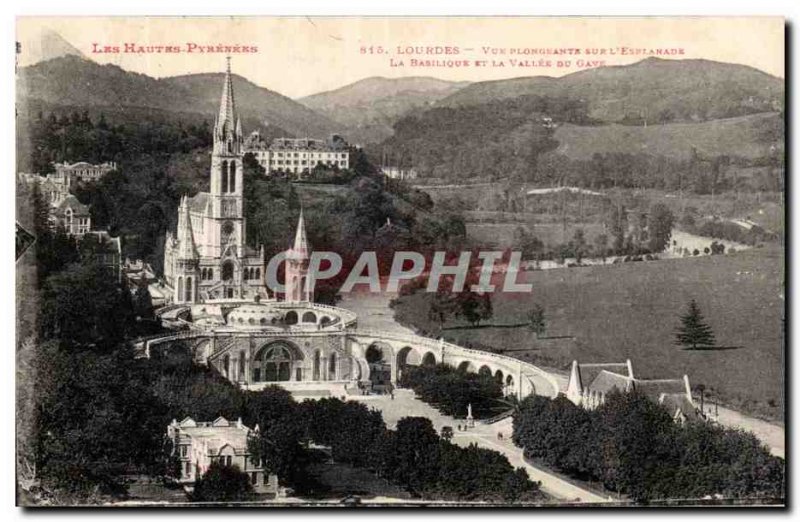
x=297 y=155
x=64 y=208
x=67 y=173
x=590 y=384
x=72 y=215
x=399 y=173
x=199 y=444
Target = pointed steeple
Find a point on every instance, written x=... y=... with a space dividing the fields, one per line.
x=226 y=120
x=186 y=246
x=300 y=247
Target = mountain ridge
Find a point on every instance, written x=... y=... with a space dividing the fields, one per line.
x=75 y=81
x=369 y=107
x=653 y=89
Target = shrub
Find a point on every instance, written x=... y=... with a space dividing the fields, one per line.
x=222 y=483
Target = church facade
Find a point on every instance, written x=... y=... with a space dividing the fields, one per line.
x=208 y=257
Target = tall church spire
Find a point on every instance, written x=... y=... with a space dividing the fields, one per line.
x=226 y=120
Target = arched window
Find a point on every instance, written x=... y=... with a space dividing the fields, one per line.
x=224 y=176
x=241 y=365
x=258 y=273
x=226 y=365
x=276 y=363
x=180 y=287
x=309 y=317
x=232 y=184
x=332 y=367
x=188 y=289
x=316 y=366
x=227 y=271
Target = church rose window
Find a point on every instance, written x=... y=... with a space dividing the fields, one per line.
x=227 y=228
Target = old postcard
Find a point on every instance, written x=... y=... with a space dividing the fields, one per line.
x=317 y=261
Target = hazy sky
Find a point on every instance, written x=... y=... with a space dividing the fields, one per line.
x=297 y=56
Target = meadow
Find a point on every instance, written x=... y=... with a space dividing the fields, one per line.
x=632 y=310
x=742 y=136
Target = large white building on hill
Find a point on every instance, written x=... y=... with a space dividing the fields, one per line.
x=297 y=155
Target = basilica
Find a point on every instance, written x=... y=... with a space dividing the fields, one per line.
x=223 y=311
x=208 y=258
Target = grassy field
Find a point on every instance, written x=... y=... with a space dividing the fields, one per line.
x=501 y=235
x=632 y=311
x=740 y=136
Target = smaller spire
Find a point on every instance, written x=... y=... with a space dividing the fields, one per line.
x=300 y=247
x=186 y=247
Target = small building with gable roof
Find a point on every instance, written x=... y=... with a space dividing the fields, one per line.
x=590 y=384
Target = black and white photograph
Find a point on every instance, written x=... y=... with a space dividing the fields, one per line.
x=351 y=261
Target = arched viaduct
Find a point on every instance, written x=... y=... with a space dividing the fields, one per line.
x=340 y=358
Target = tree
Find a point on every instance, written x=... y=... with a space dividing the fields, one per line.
x=417 y=447
x=474 y=307
x=537 y=320
x=83 y=305
x=142 y=301
x=659 y=227
x=579 y=244
x=441 y=306
x=222 y=483
x=693 y=331
x=527 y=243
x=601 y=244
x=617 y=223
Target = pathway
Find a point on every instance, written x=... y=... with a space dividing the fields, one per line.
x=405 y=404
x=374 y=313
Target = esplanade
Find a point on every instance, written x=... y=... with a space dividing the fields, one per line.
x=318 y=350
